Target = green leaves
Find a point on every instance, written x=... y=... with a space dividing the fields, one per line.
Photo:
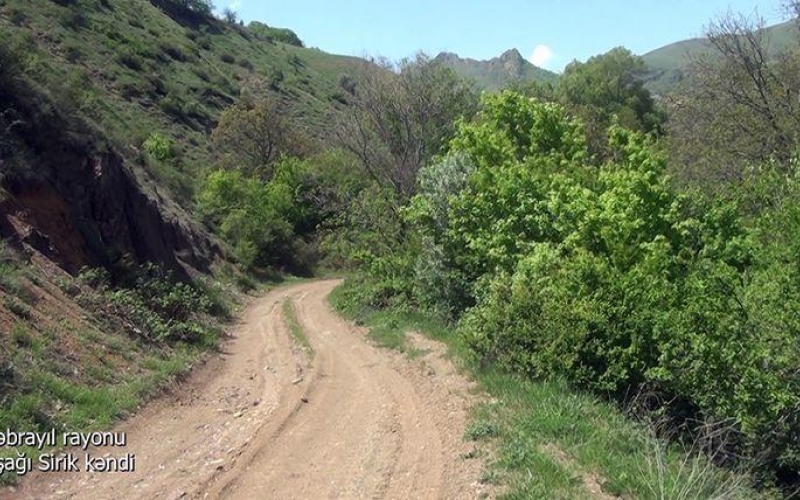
x=608 y=89
x=511 y=127
x=608 y=277
x=260 y=219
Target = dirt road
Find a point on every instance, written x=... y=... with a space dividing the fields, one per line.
x=270 y=420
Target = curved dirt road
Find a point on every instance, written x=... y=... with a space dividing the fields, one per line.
x=269 y=420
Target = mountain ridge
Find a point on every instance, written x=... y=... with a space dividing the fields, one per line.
x=498 y=72
x=668 y=64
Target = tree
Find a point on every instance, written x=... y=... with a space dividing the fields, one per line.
x=270 y=34
x=201 y=7
x=230 y=16
x=740 y=105
x=606 y=88
x=252 y=136
x=399 y=117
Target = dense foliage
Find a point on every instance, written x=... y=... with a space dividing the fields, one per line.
x=610 y=87
x=602 y=273
x=270 y=34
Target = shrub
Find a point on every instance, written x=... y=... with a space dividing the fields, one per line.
x=17 y=307
x=155 y=306
x=21 y=336
x=249 y=215
x=161 y=148
x=227 y=58
x=74 y=19
x=130 y=59
x=17 y=17
x=172 y=105
x=612 y=280
x=271 y=35
x=73 y=53
x=173 y=51
x=439 y=284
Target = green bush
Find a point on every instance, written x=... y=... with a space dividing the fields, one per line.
x=130 y=59
x=154 y=305
x=161 y=148
x=254 y=216
x=438 y=282
x=609 y=278
x=173 y=51
x=74 y=19
x=271 y=35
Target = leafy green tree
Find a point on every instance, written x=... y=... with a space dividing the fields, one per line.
x=253 y=136
x=521 y=148
x=241 y=210
x=609 y=88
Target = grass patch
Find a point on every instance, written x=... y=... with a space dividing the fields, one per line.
x=41 y=396
x=83 y=375
x=295 y=328
x=481 y=427
x=528 y=419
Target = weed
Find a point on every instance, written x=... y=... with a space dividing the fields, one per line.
x=21 y=336
x=692 y=474
x=294 y=326
x=17 y=307
x=481 y=429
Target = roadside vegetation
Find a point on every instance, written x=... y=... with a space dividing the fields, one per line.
x=550 y=440
x=569 y=248
x=66 y=367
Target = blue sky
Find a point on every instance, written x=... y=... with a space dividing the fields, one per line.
x=550 y=33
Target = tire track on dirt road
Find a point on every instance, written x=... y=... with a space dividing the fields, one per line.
x=267 y=420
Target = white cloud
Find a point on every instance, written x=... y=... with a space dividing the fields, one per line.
x=235 y=5
x=542 y=55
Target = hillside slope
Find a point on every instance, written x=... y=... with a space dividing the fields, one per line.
x=98 y=85
x=667 y=64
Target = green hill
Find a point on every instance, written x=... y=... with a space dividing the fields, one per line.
x=499 y=72
x=137 y=68
x=668 y=64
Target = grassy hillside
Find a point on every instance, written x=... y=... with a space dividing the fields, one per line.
x=668 y=63
x=497 y=73
x=135 y=71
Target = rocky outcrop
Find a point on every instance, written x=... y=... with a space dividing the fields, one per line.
x=496 y=73
x=81 y=205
